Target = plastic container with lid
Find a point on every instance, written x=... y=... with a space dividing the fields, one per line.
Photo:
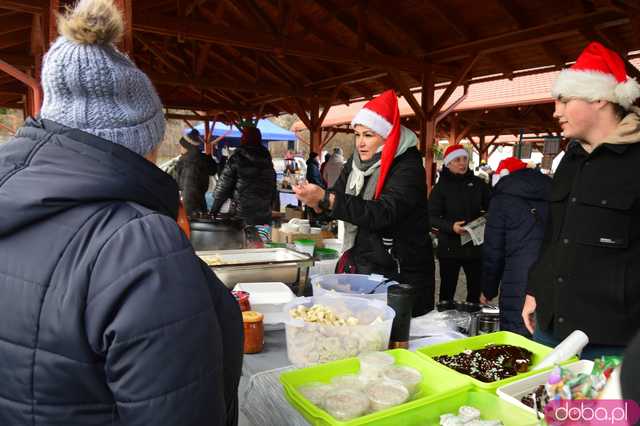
x=305 y=246
x=311 y=343
x=269 y=299
x=346 y=404
x=408 y=377
x=373 y=364
x=333 y=243
x=253 y=332
x=358 y=285
x=385 y=394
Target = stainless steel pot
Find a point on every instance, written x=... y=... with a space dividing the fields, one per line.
x=213 y=234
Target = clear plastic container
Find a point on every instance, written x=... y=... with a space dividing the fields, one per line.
x=312 y=343
x=408 y=377
x=346 y=404
x=316 y=392
x=352 y=285
x=383 y=394
x=350 y=381
x=373 y=364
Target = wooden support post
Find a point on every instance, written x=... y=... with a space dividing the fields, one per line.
x=453 y=130
x=315 y=132
x=428 y=126
x=126 y=45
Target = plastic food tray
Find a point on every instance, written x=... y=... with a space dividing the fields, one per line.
x=478 y=342
x=438 y=382
x=514 y=391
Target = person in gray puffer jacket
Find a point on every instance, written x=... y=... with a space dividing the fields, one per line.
x=108 y=316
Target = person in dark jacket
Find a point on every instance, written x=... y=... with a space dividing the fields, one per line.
x=108 y=317
x=192 y=173
x=588 y=273
x=381 y=196
x=249 y=180
x=512 y=239
x=458 y=198
x=313 y=170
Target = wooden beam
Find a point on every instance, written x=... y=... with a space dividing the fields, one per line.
x=190 y=29
x=193 y=5
x=442 y=115
x=126 y=7
x=25 y=6
x=464 y=70
x=203 y=55
x=428 y=127
x=18 y=60
x=327 y=107
x=362 y=25
x=401 y=85
x=552 y=30
x=16 y=23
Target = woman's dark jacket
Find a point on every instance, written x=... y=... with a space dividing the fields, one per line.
x=513 y=235
x=455 y=198
x=400 y=213
x=192 y=174
x=108 y=317
x=249 y=180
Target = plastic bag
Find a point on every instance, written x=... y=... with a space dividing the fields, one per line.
x=437 y=323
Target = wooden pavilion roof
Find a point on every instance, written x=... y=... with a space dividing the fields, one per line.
x=248 y=57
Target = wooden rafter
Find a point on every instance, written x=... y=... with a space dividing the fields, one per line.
x=400 y=82
x=552 y=30
x=25 y=6
x=159 y=24
x=464 y=70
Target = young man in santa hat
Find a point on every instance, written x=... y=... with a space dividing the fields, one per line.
x=512 y=238
x=458 y=198
x=588 y=273
x=381 y=195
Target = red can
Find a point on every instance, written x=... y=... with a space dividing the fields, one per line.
x=242 y=297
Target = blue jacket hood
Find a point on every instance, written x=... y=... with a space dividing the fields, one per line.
x=526 y=183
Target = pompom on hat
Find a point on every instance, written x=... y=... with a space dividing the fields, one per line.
x=598 y=74
x=383 y=117
x=91 y=86
x=454 y=151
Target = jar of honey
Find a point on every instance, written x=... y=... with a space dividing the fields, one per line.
x=253 y=332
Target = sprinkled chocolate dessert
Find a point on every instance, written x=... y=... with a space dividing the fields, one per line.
x=494 y=362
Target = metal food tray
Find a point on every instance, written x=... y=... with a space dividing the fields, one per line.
x=260 y=265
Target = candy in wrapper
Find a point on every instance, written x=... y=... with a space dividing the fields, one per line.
x=563 y=384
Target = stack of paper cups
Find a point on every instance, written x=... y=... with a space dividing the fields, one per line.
x=569 y=347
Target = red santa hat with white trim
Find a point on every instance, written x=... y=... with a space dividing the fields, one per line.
x=383 y=117
x=510 y=165
x=454 y=151
x=598 y=75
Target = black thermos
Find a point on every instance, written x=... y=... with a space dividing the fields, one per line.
x=400 y=298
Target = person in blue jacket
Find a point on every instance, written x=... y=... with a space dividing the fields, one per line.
x=513 y=236
x=108 y=316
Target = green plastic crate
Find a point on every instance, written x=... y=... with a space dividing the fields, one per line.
x=491 y=408
x=438 y=381
x=478 y=342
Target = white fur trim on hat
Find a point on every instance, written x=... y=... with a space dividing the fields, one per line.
x=595 y=86
x=455 y=154
x=374 y=121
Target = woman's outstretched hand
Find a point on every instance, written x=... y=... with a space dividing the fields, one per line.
x=309 y=194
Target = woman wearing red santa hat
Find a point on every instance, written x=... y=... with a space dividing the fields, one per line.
x=513 y=236
x=588 y=273
x=458 y=198
x=381 y=194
